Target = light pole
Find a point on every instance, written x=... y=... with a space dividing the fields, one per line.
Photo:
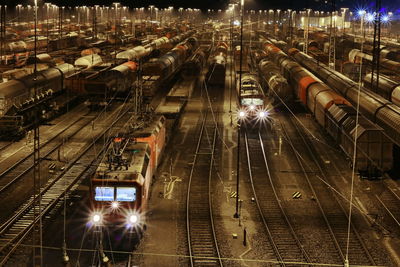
x=237 y=215
x=19 y=14
x=232 y=7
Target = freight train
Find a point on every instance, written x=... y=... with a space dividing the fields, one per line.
x=373 y=106
x=194 y=65
x=19 y=104
x=161 y=70
x=120 y=187
x=217 y=65
x=278 y=87
x=336 y=115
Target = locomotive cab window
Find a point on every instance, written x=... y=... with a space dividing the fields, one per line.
x=104 y=193
x=252 y=101
x=126 y=194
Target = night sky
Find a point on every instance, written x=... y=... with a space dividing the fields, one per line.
x=393 y=5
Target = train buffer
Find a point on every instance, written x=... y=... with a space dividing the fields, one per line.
x=296 y=195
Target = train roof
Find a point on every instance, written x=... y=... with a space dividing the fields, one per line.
x=88 y=61
x=11 y=88
x=136 y=156
x=154 y=127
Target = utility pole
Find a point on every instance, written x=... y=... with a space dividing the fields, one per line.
x=37 y=229
x=2 y=31
x=332 y=36
x=376 y=51
x=307 y=32
x=237 y=215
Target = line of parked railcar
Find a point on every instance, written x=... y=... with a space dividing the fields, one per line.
x=91 y=77
x=373 y=106
x=374 y=149
x=103 y=83
x=387 y=88
x=217 y=65
x=180 y=93
x=18 y=104
x=271 y=78
x=161 y=70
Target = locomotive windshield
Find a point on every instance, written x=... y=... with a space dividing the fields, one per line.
x=104 y=193
x=252 y=101
x=126 y=194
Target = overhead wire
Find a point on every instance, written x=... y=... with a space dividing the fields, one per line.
x=355 y=148
x=232 y=259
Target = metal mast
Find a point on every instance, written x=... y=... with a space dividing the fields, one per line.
x=376 y=51
x=332 y=36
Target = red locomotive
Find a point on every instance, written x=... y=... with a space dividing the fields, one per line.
x=120 y=186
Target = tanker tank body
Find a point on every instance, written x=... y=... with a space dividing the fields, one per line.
x=194 y=65
x=278 y=87
x=387 y=87
x=355 y=55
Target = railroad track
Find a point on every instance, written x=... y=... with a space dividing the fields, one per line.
x=22 y=152
x=202 y=240
x=390 y=201
x=283 y=239
x=25 y=164
x=16 y=229
x=334 y=214
x=4 y=145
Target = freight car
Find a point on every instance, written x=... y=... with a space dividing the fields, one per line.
x=319 y=98
x=112 y=84
x=278 y=87
x=355 y=55
x=374 y=107
x=176 y=100
x=372 y=144
x=195 y=64
x=17 y=101
x=387 y=88
x=167 y=65
x=217 y=66
x=120 y=187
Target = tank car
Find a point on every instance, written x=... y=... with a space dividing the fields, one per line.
x=278 y=87
x=17 y=101
x=217 y=66
x=167 y=65
x=194 y=65
x=387 y=88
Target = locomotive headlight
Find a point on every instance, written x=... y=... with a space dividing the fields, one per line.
x=252 y=107
x=114 y=205
x=262 y=114
x=242 y=114
x=133 y=219
x=96 y=218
